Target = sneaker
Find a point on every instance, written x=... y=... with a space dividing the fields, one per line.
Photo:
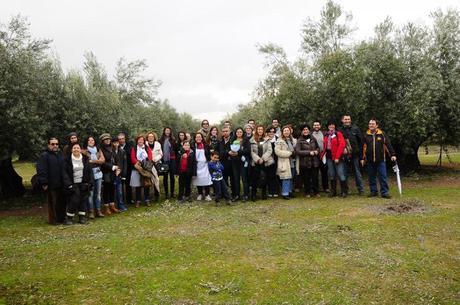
x=208 y=198
x=199 y=198
x=270 y=196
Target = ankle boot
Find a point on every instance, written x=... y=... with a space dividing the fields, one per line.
x=343 y=189
x=113 y=209
x=82 y=219
x=264 y=194
x=333 y=188
x=68 y=220
x=253 y=195
x=107 y=209
x=99 y=213
x=91 y=214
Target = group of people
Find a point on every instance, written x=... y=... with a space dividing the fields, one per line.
x=91 y=180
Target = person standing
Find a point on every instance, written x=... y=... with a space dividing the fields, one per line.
x=139 y=153
x=49 y=175
x=157 y=155
x=77 y=179
x=202 y=180
x=213 y=139
x=109 y=169
x=169 y=147
x=335 y=144
x=96 y=159
x=376 y=145
x=225 y=158
x=261 y=162
x=276 y=125
x=126 y=146
x=307 y=150
x=273 y=184
x=121 y=161
x=71 y=139
x=240 y=150
x=318 y=134
x=186 y=169
x=204 y=130
x=216 y=169
x=353 y=149
x=284 y=149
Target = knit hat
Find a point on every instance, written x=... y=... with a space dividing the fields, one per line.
x=104 y=136
x=247 y=125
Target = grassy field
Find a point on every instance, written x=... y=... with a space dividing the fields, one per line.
x=302 y=251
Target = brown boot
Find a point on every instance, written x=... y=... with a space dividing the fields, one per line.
x=91 y=214
x=113 y=208
x=99 y=213
x=107 y=209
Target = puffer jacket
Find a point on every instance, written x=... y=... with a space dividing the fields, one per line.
x=283 y=169
x=267 y=152
x=304 y=146
x=376 y=146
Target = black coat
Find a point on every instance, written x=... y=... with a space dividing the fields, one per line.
x=127 y=150
x=355 y=136
x=191 y=163
x=122 y=161
x=108 y=174
x=224 y=149
x=376 y=147
x=49 y=170
x=303 y=148
x=67 y=173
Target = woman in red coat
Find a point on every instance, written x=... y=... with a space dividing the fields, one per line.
x=334 y=144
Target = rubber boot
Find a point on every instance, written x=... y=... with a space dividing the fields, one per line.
x=333 y=192
x=343 y=189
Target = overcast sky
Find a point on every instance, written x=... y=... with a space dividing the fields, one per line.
x=204 y=51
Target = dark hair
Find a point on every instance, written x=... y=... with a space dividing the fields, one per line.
x=52 y=138
x=346 y=114
x=375 y=120
x=85 y=144
x=304 y=126
x=270 y=128
x=214 y=153
x=275 y=119
x=208 y=138
x=205 y=120
x=179 y=133
x=256 y=134
x=331 y=122
x=138 y=137
x=171 y=136
x=251 y=120
x=317 y=121
x=72 y=145
x=239 y=128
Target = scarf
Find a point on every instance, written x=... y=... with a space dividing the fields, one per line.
x=200 y=145
x=93 y=152
x=141 y=153
x=329 y=139
x=166 y=150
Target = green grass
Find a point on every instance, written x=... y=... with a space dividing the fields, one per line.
x=302 y=251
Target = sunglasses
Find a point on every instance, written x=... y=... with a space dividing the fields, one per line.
x=54 y=144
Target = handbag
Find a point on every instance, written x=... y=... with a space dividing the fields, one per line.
x=162 y=168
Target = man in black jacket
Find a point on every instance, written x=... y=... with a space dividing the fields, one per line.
x=225 y=159
x=353 y=150
x=376 y=146
x=49 y=173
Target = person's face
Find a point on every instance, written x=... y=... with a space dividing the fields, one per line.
x=115 y=144
x=286 y=132
x=305 y=131
x=106 y=141
x=316 y=126
x=372 y=125
x=239 y=133
x=252 y=123
x=227 y=125
x=215 y=158
x=205 y=124
x=260 y=131
x=76 y=150
x=331 y=127
x=275 y=123
x=271 y=133
x=167 y=132
x=53 y=145
x=151 y=138
x=73 y=139
x=214 y=132
x=248 y=130
x=122 y=139
x=181 y=137
x=140 y=141
x=186 y=146
x=91 y=142
x=346 y=120
x=198 y=138
x=226 y=132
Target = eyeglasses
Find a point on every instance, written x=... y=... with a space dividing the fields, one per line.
x=271 y=131
x=54 y=144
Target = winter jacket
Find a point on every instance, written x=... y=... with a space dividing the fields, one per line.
x=224 y=149
x=134 y=154
x=67 y=174
x=376 y=146
x=108 y=175
x=157 y=152
x=216 y=169
x=337 y=145
x=304 y=146
x=284 y=159
x=49 y=169
x=245 y=150
x=267 y=152
x=355 y=137
x=191 y=163
x=122 y=161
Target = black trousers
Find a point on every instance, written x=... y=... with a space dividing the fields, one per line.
x=56 y=206
x=310 y=180
x=257 y=171
x=324 y=176
x=228 y=177
x=170 y=175
x=203 y=190
x=185 y=182
x=272 y=181
x=240 y=172
x=76 y=200
x=108 y=193
x=127 y=192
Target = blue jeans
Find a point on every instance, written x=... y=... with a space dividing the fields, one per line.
x=118 y=191
x=94 y=199
x=286 y=187
x=357 y=173
x=336 y=170
x=220 y=188
x=379 y=170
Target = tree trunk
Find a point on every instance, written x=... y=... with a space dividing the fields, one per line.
x=407 y=161
x=10 y=182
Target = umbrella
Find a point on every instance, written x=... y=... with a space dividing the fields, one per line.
x=398 y=178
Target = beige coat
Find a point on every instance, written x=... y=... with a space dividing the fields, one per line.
x=267 y=155
x=284 y=164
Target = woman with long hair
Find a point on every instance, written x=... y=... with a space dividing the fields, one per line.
x=169 y=148
x=202 y=180
x=261 y=162
x=240 y=151
x=96 y=159
x=284 y=149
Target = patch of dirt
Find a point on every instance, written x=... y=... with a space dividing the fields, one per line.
x=409 y=206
